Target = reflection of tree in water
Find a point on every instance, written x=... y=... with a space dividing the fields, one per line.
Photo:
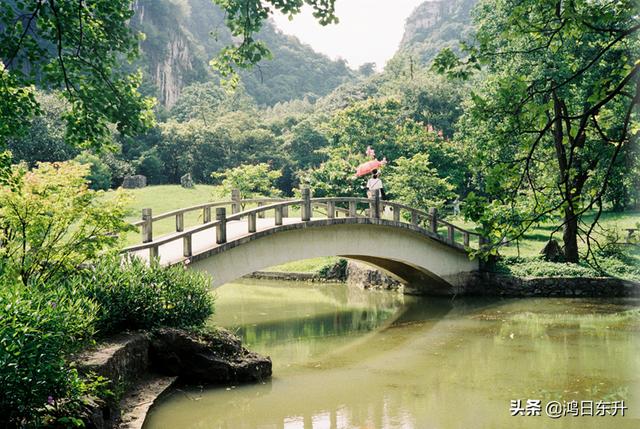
x=342 y=322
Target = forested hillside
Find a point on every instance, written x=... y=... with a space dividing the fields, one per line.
x=182 y=36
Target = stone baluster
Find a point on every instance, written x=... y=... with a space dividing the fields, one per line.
x=180 y=222
x=235 y=198
x=221 y=227
x=306 y=205
x=147 y=226
x=353 y=209
x=433 y=220
x=331 y=209
x=187 y=246
x=374 y=205
x=154 y=252
x=251 y=220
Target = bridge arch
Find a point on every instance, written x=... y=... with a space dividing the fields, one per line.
x=425 y=262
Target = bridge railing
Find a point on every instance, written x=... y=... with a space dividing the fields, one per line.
x=306 y=208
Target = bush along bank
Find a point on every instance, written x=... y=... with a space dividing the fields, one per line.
x=61 y=292
x=617 y=275
x=43 y=325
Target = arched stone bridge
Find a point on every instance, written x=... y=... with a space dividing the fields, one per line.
x=427 y=253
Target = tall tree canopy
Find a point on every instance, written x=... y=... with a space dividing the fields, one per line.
x=557 y=110
x=78 y=47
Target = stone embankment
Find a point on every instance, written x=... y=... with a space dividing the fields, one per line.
x=143 y=365
x=492 y=284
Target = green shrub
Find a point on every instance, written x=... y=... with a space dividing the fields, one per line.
x=39 y=328
x=132 y=295
x=334 y=270
x=99 y=176
x=621 y=266
x=50 y=222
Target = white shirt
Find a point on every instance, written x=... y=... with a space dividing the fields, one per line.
x=374 y=184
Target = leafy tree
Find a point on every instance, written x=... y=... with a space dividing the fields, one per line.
x=335 y=177
x=150 y=165
x=414 y=182
x=51 y=222
x=250 y=180
x=556 y=110
x=374 y=123
x=177 y=148
x=77 y=46
x=118 y=166
x=207 y=101
x=385 y=126
x=99 y=176
x=303 y=143
x=431 y=99
x=44 y=136
x=367 y=69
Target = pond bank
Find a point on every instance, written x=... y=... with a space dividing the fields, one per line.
x=478 y=284
x=504 y=285
x=356 y=274
x=142 y=365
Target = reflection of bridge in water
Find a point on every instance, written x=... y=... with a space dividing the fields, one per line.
x=415 y=246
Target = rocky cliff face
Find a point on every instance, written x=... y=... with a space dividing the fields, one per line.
x=435 y=25
x=182 y=36
x=171 y=56
x=426 y=16
x=168 y=75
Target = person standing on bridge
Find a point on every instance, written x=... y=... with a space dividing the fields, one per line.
x=374 y=184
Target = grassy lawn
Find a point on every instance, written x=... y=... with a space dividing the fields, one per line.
x=305 y=266
x=165 y=198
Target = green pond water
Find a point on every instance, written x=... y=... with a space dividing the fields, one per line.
x=345 y=358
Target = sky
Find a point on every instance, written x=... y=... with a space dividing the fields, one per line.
x=368 y=31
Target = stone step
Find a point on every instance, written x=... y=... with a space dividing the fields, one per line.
x=136 y=402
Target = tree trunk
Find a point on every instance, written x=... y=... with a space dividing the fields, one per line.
x=570 y=231
x=570 y=235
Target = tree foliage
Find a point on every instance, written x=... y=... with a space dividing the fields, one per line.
x=75 y=46
x=251 y=180
x=555 y=112
x=44 y=136
x=51 y=222
x=414 y=182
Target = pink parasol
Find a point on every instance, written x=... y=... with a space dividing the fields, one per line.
x=369 y=166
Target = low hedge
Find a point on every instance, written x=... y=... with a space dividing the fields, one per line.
x=42 y=325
